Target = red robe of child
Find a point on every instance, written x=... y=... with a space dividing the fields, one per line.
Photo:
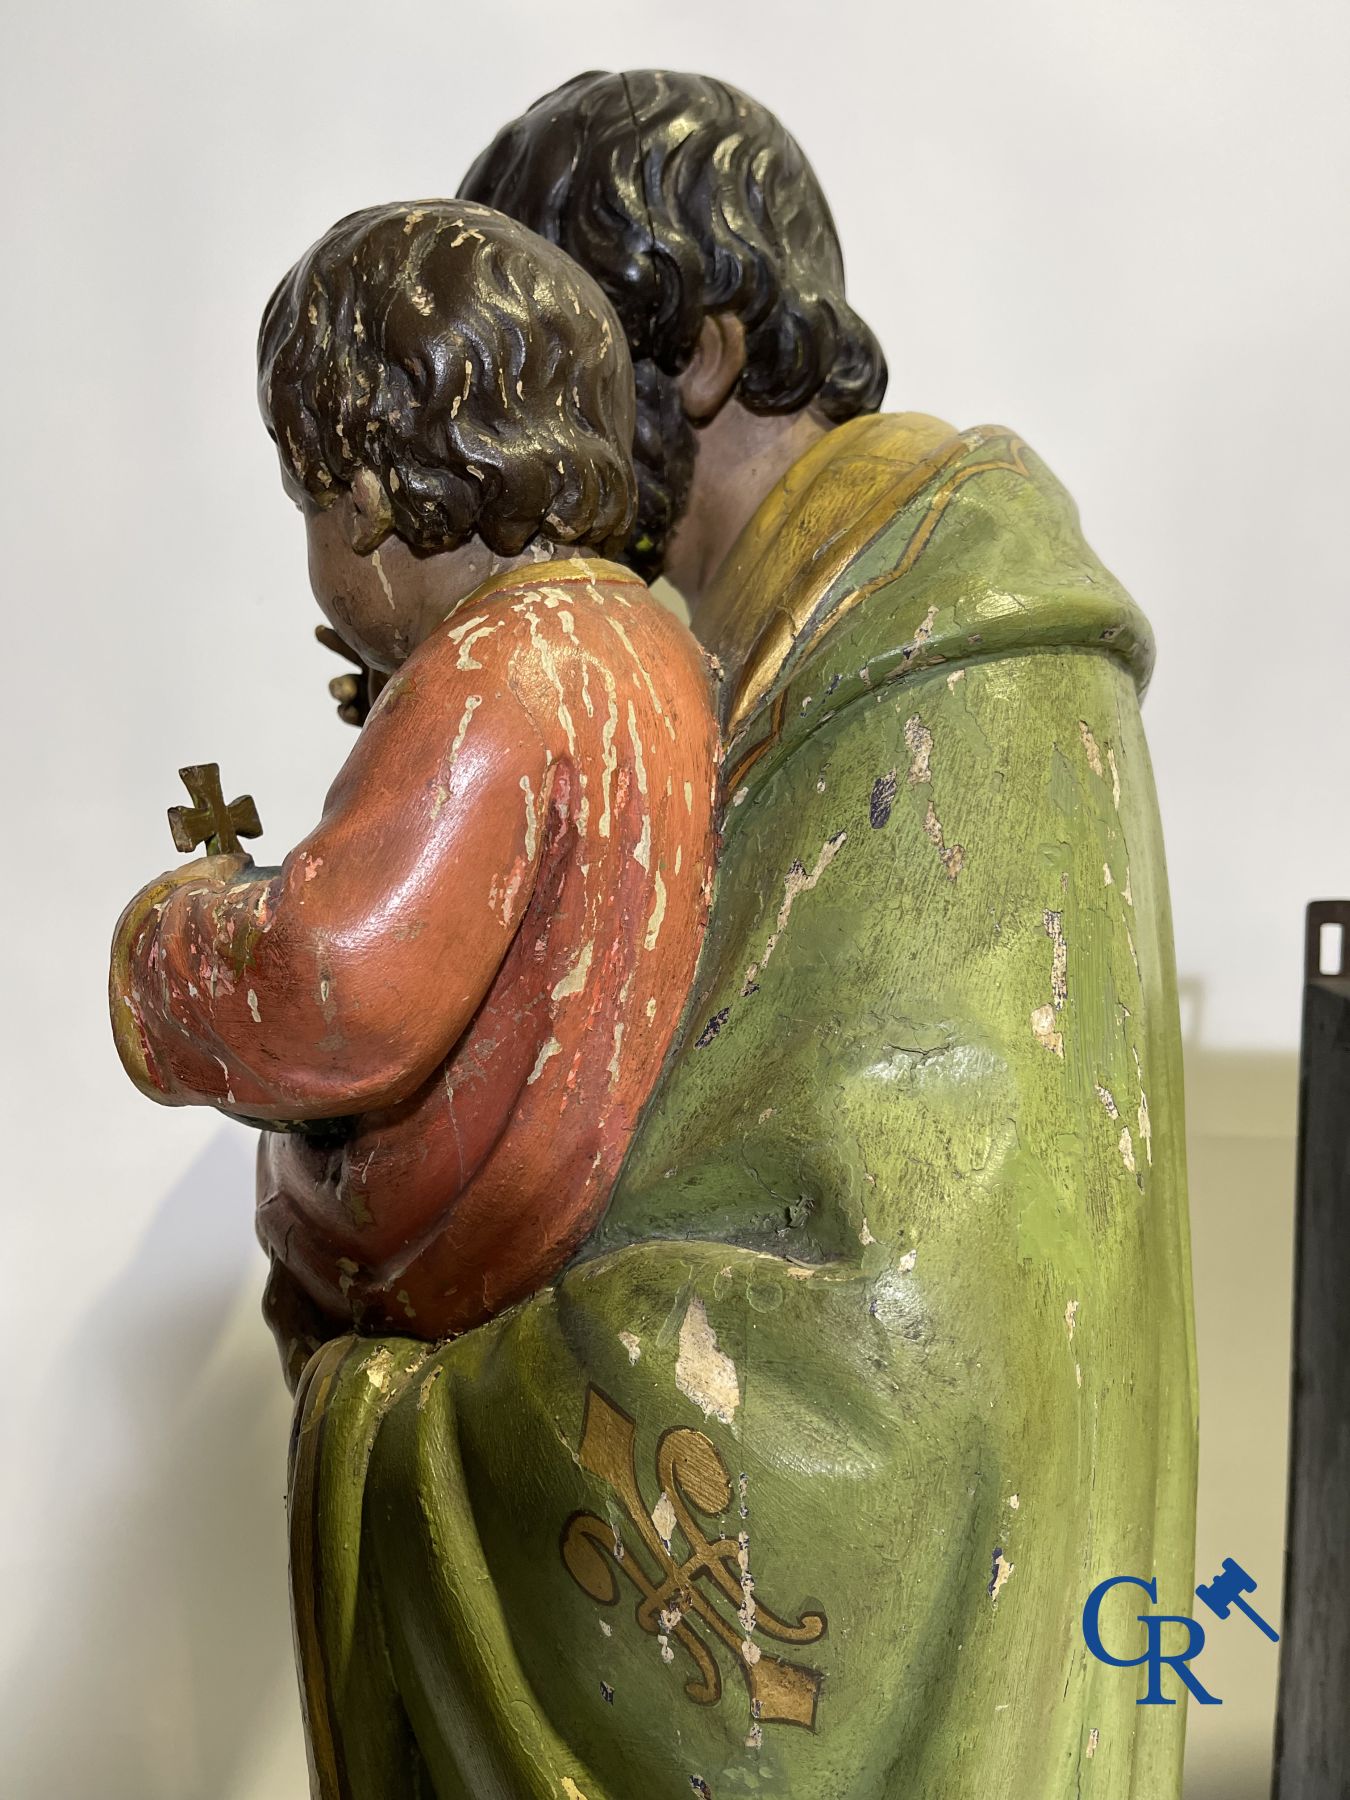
x=477 y=960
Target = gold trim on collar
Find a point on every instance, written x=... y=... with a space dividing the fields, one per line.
x=1011 y=463
x=807 y=530
x=784 y=633
x=556 y=569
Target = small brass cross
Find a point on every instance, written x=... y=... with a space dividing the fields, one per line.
x=209 y=820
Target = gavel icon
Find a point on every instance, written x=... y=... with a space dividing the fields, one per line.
x=1225 y=1592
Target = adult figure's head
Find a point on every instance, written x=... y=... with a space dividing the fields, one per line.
x=699 y=217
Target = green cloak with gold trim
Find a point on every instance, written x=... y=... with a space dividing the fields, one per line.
x=796 y=1482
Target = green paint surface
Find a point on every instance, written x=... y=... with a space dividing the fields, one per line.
x=902 y=1243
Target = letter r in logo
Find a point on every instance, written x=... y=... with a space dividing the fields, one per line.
x=1153 y=1654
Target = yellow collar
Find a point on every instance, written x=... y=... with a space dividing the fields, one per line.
x=556 y=569
x=806 y=531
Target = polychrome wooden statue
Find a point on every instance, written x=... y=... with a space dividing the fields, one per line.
x=731 y=1341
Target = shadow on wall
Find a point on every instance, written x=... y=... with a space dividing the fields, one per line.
x=166 y=1637
x=162 y=1668
x=1241 y=1126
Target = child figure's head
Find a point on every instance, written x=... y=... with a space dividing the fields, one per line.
x=447 y=392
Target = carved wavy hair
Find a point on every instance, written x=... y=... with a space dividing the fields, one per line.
x=474 y=368
x=683 y=197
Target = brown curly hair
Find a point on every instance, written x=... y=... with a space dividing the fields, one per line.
x=471 y=366
x=682 y=196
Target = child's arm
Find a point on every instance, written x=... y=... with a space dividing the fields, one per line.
x=341 y=980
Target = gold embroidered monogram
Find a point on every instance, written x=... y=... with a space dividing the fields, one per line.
x=693 y=1478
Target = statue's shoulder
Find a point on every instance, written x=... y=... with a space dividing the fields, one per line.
x=577 y=633
x=969 y=550
x=588 y=589
x=537 y=606
x=580 y=583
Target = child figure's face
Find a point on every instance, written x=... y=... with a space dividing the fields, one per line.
x=380 y=595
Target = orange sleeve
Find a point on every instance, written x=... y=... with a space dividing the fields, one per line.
x=338 y=982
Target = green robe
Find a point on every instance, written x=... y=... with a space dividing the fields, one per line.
x=796 y=1482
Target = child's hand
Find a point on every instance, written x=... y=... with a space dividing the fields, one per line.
x=213 y=871
x=355 y=694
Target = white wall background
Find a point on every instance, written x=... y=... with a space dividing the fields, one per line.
x=1119 y=227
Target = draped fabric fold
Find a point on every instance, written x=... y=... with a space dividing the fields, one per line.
x=796 y=1481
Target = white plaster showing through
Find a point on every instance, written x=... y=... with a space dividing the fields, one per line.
x=471 y=704
x=795 y=883
x=703 y=1373
x=952 y=857
x=1059 y=961
x=919 y=743
x=1044 y=1029
x=1044 y=1019
x=657 y=915
x=575 y=978
x=608 y=751
x=465 y=659
x=547 y=1051
x=642 y=670
x=635 y=739
x=746 y=1612
x=378 y=567
x=923 y=633
x=379 y=1367
x=457 y=633
x=663 y=1518
x=531 y=819
x=1003 y=1573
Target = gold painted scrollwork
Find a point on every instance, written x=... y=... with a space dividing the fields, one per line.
x=693 y=1479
